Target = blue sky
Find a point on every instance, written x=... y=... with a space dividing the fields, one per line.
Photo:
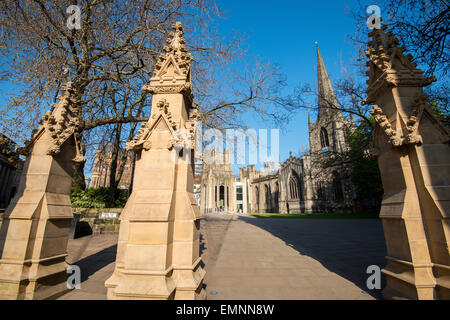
x=285 y=32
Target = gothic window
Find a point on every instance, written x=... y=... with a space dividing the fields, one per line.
x=257 y=198
x=239 y=194
x=337 y=187
x=324 y=138
x=320 y=191
x=222 y=196
x=267 y=191
x=294 y=187
x=277 y=194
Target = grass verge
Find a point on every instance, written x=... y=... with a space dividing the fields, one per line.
x=364 y=215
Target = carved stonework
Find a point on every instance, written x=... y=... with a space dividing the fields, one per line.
x=414 y=164
x=158 y=254
x=184 y=89
x=163 y=114
x=35 y=228
x=62 y=122
x=371 y=153
x=184 y=138
x=394 y=139
x=172 y=72
x=389 y=67
x=176 y=48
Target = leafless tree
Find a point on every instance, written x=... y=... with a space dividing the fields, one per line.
x=111 y=57
x=422 y=26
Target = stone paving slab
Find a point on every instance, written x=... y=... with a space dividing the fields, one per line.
x=250 y=258
x=95 y=255
x=296 y=259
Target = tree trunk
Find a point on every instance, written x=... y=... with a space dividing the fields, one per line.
x=113 y=181
x=78 y=176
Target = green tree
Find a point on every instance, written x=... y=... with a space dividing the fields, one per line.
x=97 y=198
x=365 y=174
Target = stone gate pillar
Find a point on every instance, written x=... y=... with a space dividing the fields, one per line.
x=414 y=160
x=35 y=229
x=158 y=250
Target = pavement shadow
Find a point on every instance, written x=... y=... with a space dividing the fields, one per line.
x=343 y=246
x=95 y=262
x=4 y=225
x=202 y=248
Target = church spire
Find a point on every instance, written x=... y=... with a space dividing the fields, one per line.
x=327 y=98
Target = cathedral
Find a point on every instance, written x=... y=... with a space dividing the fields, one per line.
x=102 y=167
x=313 y=182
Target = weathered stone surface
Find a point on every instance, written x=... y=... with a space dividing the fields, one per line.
x=414 y=160
x=35 y=228
x=158 y=247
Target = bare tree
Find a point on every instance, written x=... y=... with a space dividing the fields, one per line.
x=111 y=57
x=422 y=26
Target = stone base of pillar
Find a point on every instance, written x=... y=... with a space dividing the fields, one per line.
x=176 y=284
x=397 y=289
x=140 y=286
x=33 y=250
x=405 y=281
x=34 y=278
x=442 y=275
x=190 y=283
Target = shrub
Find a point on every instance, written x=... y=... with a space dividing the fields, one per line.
x=96 y=198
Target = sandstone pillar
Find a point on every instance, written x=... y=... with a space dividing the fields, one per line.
x=35 y=229
x=414 y=160
x=158 y=250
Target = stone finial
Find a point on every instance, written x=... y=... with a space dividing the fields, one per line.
x=172 y=72
x=385 y=53
x=176 y=48
x=176 y=42
x=389 y=66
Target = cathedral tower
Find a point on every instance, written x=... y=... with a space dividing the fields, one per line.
x=328 y=133
x=328 y=137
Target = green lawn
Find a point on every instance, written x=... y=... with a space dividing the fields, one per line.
x=364 y=215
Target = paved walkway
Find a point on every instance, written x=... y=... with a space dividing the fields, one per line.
x=296 y=259
x=250 y=258
x=96 y=256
